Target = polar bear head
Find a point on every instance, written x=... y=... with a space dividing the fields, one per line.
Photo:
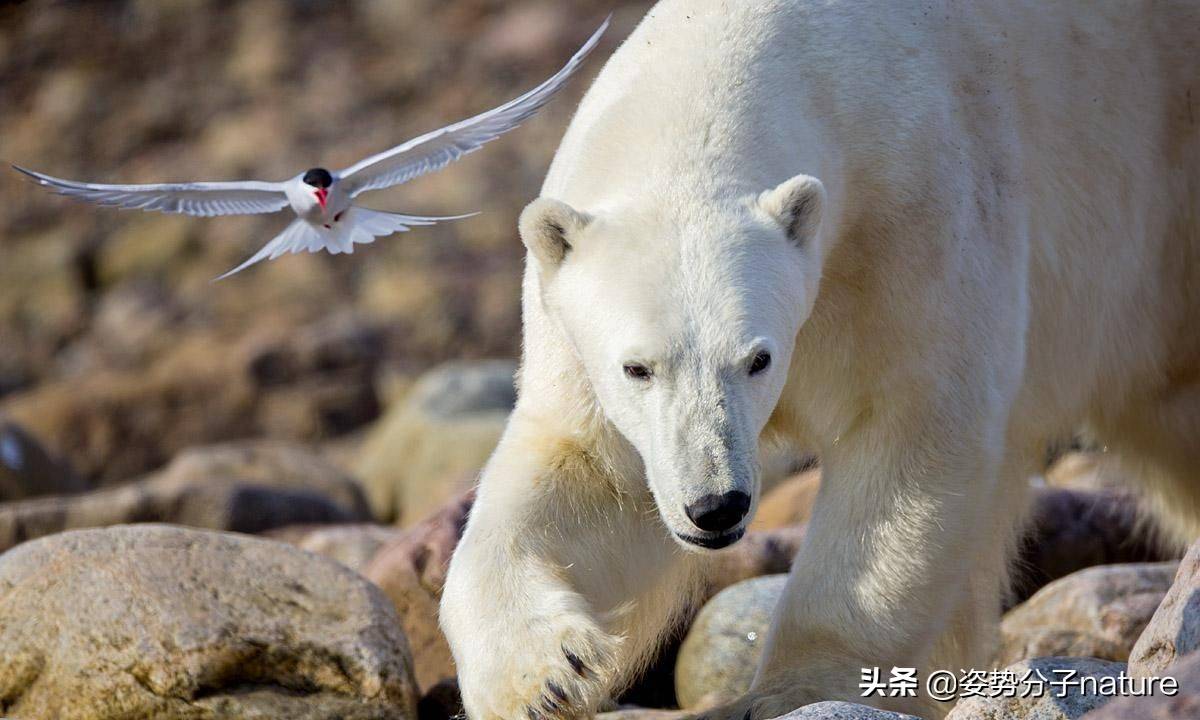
x=684 y=318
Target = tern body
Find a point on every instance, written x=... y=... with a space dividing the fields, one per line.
x=323 y=200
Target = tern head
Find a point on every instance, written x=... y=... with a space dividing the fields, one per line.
x=321 y=179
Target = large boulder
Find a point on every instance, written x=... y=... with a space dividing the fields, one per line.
x=245 y=487
x=721 y=650
x=1174 y=630
x=1036 y=697
x=427 y=449
x=411 y=570
x=28 y=470
x=171 y=623
x=1098 y=612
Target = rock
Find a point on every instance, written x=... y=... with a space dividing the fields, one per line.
x=114 y=425
x=1180 y=702
x=411 y=570
x=1098 y=612
x=351 y=545
x=1048 y=706
x=843 y=711
x=1174 y=630
x=721 y=650
x=1070 y=530
x=759 y=553
x=27 y=470
x=166 y=622
x=245 y=487
x=788 y=503
x=641 y=713
x=427 y=449
x=1083 y=471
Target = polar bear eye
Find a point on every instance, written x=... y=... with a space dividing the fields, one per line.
x=761 y=362
x=634 y=371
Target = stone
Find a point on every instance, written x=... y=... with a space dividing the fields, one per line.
x=245 y=487
x=1174 y=630
x=721 y=650
x=172 y=623
x=1181 y=703
x=1098 y=612
x=1046 y=705
x=352 y=545
x=1083 y=471
x=788 y=503
x=27 y=470
x=1070 y=530
x=760 y=553
x=831 y=710
x=427 y=449
x=411 y=570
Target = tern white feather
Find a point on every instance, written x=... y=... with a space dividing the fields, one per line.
x=326 y=218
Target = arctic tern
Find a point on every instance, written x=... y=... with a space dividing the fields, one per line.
x=326 y=219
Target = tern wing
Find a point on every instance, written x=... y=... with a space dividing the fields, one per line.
x=202 y=199
x=357 y=226
x=437 y=149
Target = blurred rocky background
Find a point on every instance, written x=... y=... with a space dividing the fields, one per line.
x=238 y=499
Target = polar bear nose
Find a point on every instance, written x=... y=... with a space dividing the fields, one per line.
x=718 y=513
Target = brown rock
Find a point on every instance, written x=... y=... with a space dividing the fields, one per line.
x=426 y=450
x=789 y=503
x=351 y=545
x=1174 y=631
x=411 y=570
x=165 y=622
x=1051 y=703
x=1181 y=703
x=245 y=487
x=1098 y=612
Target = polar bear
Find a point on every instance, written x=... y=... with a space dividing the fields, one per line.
x=925 y=240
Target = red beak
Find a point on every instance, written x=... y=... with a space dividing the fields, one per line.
x=322 y=193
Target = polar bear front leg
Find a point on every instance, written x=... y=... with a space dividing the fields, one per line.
x=906 y=534
x=562 y=584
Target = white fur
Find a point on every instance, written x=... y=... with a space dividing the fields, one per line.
x=961 y=230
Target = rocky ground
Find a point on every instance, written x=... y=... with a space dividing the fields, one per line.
x=238 y=500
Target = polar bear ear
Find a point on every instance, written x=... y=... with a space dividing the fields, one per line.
x=797 y=205
x=547 y=227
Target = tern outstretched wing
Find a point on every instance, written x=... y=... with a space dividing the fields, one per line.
x=437 y=149
x=202 y=199
x=358 y=226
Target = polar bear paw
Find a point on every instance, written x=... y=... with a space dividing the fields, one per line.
x=563 y=675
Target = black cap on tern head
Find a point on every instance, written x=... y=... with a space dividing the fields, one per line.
x=318 y=178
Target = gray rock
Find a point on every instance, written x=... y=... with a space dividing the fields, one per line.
x=1174 y=631
x=171 y=623
x=428 y=448
x=1045 y=705
x=721 y=650
x=1098 y=612
x=245 y=487
x=843 y=711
